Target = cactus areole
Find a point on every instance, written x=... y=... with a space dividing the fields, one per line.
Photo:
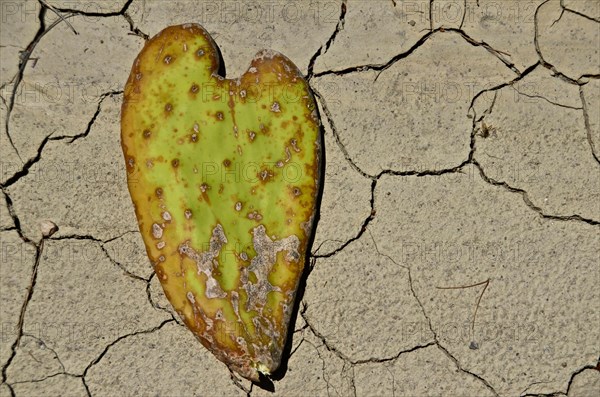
x=224 y=177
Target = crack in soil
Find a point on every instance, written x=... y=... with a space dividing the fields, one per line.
x=546 y=99
x=572 y=11
x=68 y=138
x=39 y=247
x=380 y=67
x=543 y=61
x=588 y=127
x=119 y=339
x=324 y=48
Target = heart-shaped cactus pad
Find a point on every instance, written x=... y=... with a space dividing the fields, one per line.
x=224 y=176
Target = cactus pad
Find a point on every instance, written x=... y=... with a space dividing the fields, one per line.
x=224 y=177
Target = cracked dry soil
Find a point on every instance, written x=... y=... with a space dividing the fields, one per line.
x=456 y=252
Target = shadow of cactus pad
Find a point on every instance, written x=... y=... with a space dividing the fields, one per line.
x=224 y=177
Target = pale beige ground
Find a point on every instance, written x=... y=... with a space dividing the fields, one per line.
x=463 y=144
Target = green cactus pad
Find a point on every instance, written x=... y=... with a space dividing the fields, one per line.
x=224 y=177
